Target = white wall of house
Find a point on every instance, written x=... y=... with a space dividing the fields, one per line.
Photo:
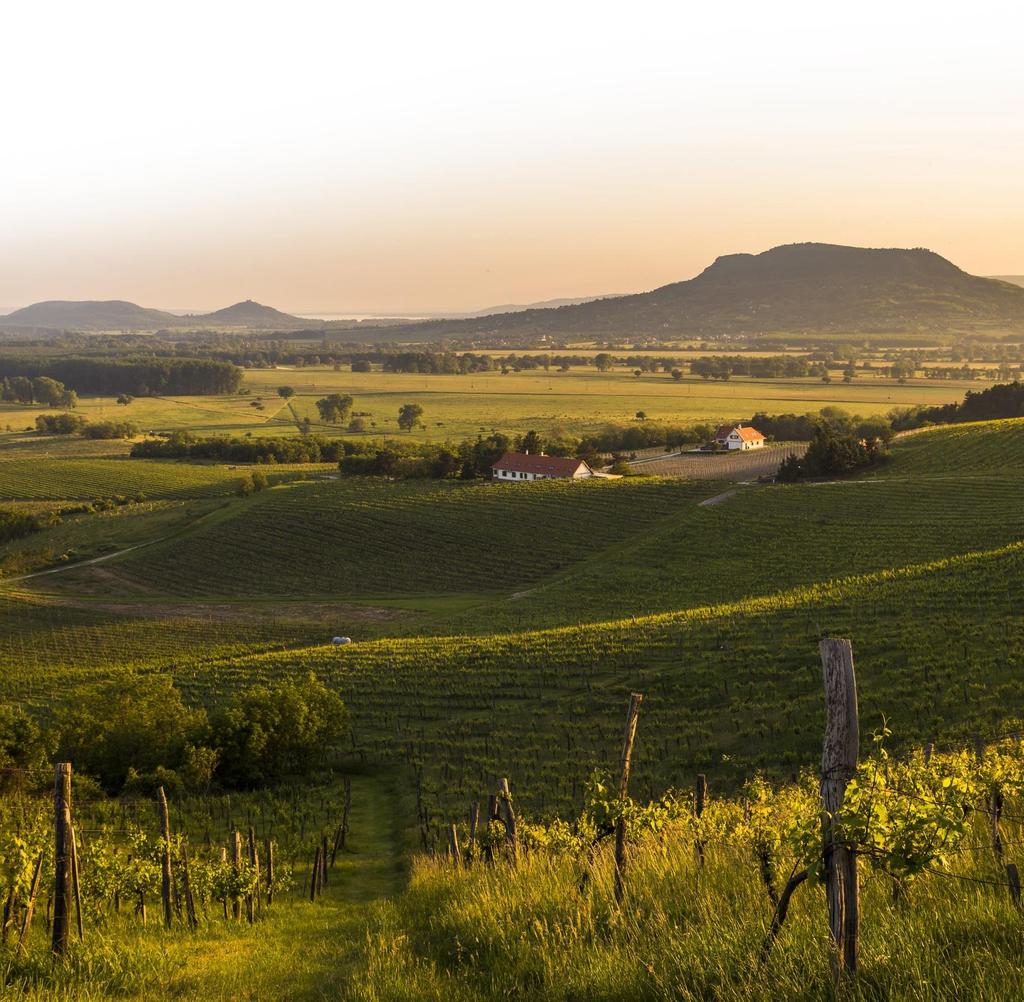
x=736 y=441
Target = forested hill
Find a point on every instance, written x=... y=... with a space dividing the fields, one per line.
x=120 y=315
x=807 y=287
x=114 y=314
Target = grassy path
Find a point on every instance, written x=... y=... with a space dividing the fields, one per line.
x=298 y=950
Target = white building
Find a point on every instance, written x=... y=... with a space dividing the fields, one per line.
x=738 y=437
x=520 y=466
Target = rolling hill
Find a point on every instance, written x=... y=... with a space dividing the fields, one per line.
x=114 y=314
x=89 y=315
x=810 y=287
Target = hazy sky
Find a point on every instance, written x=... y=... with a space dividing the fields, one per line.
x=441 y=155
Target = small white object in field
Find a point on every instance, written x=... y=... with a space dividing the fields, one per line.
x=341 y=640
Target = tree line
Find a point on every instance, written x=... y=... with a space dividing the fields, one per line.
x=139 y=376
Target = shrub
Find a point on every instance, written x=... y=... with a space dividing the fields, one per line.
x=271 y=732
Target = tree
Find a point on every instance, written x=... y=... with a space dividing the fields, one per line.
x=124 y=399
x=641 y=415
x=286 y=392
x=270 y=732
x=334 y=408
x=530 y=442
x=603 y=361
x=362 y=366
x=139 y=725
x=409 y=416
x=638 y=373
x=357 y=425
x=677 y=374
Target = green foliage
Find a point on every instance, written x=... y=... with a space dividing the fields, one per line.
x=334 y=408
x=110 y=429
x=59 y=424
x=22 y=743
x=409 y=416
x=271 y=732
x=831 y=454
x=129 y=730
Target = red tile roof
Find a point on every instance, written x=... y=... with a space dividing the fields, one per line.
x=747 y=434
x=549 y=466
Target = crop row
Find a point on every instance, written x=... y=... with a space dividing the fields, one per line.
x=372 y=537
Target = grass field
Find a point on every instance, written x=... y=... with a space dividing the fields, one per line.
x=583 y=399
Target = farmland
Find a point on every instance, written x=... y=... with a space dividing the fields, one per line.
x=498 y=627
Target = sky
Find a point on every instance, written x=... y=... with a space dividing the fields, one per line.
x=412 y=157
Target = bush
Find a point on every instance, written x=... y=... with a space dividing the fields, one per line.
x=110 y=429
x=131 y=728
x=272 y=732
x=59 y=424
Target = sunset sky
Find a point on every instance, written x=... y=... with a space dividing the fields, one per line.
x=429 y=156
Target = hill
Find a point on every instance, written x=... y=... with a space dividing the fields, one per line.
x=249 y=314
x=114 y=314
x=88 y=315
x=809 y=287
x=1012 y=279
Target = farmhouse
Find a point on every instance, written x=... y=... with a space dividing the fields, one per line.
x=738 y=437
x=522 y=466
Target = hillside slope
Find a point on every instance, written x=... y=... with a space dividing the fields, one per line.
x=798 y=287
x=114 y=314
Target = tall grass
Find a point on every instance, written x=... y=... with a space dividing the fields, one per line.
x=685 y=932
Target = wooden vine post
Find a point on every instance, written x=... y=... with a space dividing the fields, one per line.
x=632 y=715
x=166 y=874
x=507 y=814
x=700 y=795
x=838 y=764
x=62 y=892
x=236 y=869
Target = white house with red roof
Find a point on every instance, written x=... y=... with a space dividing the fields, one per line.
x=521 y=466
x=735 y=436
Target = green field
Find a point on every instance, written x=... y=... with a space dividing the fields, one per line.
x=498 y=629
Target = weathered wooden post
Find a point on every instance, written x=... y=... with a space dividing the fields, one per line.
x=492 y=815
x=252 y=898
x=474 y=823
x=838 y=765
x=166 y=875
x=76 y=886
x=30 y=905
x=269 y=853
x=507 y=814
x=700 y=795
x=453 y=845
x=190 y=901
x=236 y=867
x=632 y=716
x=62 y=857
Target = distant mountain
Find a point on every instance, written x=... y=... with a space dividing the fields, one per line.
x=807 y=287
x=118 y=315
x=249 y=314
x=1012 y=279
x=113 y=314
x=546 y=304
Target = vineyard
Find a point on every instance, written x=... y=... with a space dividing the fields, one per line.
x=374 y=537
x=498 y=632
x=729 y=898
x=86 y=479
x=144 y=880
x=984 y=447
x=729 y=688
